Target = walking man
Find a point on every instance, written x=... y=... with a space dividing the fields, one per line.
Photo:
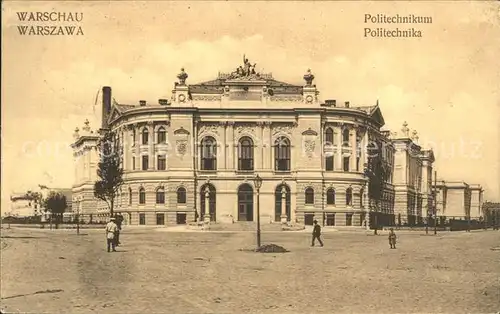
x=392 y=238
x=111 y=229
x=316 y=233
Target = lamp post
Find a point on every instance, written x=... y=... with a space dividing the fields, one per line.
x=258 y=183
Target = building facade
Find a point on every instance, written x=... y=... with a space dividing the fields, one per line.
x=459 y=199
x=195 y=156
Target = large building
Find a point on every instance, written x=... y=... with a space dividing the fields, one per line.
x=459 y=199
x=195 y=155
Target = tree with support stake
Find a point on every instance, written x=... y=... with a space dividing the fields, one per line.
x=109 y=170
x=55 y=204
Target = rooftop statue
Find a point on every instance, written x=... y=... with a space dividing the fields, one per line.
x=247 y=70
x=182 y=77
x=308 y=77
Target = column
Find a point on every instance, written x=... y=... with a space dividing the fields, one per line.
x=364 y=148
x=353 y=140
x=269 y=147
x=258 y=147
x=151 y=146
x=223 y=147
x=206 y=217
x=283 y=206
x=338 y=157
x=136 y=130
x=125 y=148
x=231 y=145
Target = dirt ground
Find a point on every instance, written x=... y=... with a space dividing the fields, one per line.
x=45 y=271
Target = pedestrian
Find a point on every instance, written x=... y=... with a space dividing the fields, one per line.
x=316 y=233
x=392 y=238
x=119 y=221
x=111 y=229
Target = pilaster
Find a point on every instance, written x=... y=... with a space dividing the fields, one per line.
x=338 y=158
x=151 y=145
x=353 y=144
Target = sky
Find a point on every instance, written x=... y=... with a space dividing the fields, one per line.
x=445 y=84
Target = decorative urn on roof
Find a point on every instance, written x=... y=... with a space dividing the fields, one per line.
x=76 y=134
x=182 y=77
x=308 y=77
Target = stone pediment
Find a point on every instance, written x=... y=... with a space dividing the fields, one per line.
x=181 y=131
x=114 y=114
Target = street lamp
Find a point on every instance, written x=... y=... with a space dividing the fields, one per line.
x=258 y=183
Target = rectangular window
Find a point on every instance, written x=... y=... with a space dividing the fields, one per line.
x=346 y=163
x=133 y=163
x=330 y=219
x=357 y=163
x=329 y=163
x=162 y=162
x=181 y=218
x=142 y=219
x=348 y=219
x=160 y=219
x=145 y=162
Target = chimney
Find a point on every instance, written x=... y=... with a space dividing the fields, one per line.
x=163 y=102
x=106 y=106
x=347 y=104
x=142 y=103
x=331 y=102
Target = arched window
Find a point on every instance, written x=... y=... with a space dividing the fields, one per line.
x=181 y=195
x=282 y=154
x=245 y=154
x=145 y=136
x=309 y=196
x=162 y=135
x=130 y=196
x=345 y=137
x=142 y=196
x=160 y=196
x=208 y=153
x=329 y=139
x=330 y=196
x=348 y=197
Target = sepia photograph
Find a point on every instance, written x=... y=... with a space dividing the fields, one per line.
x=250 y=156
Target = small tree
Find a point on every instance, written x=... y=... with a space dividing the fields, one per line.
x=55 y=204
x=109 y=170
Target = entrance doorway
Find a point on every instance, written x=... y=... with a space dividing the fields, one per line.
x=211 y=201
x=245 y=203
x=277 y=202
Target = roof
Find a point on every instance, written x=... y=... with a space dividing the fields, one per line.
x=217 y=86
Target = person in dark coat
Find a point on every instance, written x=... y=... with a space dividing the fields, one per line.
x=118 y=221
x=392 y=238
x=316 y=233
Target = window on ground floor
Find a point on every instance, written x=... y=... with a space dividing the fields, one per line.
x=160 y=219
x=348 y=219
x=142 y=219
x=330 y=219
